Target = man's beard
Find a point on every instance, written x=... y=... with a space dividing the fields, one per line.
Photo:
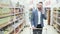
x=39 y=8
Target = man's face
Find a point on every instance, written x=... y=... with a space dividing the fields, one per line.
x=39 y=6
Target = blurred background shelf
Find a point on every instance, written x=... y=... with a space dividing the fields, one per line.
x=56 y=18
x=11 y=17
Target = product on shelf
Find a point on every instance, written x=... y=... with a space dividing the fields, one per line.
x=54 y=18
x=58 y=27
x=5 y=32
x=12 y=10
x=58 y=20
x=11 y=18
x=16 y=30
x=4 y=12
x=12 y=32
x=8 y=29
x=16 y=11
x=14 y=19
x=5 y=20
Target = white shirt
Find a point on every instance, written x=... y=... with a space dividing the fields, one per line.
x=39 y=15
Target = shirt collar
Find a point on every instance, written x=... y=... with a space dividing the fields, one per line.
x=38 y=10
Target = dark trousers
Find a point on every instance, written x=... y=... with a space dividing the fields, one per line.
x=39 y=26
x=38 y=31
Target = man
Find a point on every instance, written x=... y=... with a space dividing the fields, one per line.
x=38 y=16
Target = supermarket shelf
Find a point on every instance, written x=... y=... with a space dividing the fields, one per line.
x=58 y=17
x=19 y=30
x=56 y=12
x=54 y=16
x=10 y=15
x=56 y=28
x=3 y=25
x=19 y=13
x=4 y=6
x=17 y=24
x=56 y=22
x=8 y=7
x=10 y=31
x=6 y=16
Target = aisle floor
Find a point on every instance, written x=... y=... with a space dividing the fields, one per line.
x=26 y=31
x=46 y=30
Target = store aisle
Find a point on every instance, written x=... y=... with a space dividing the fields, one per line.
x=47 y=29
x=26 y=30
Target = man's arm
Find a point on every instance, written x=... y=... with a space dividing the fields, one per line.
x=32 y=19
x=44 y=16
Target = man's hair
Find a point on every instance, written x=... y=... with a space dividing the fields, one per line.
x=41 y=2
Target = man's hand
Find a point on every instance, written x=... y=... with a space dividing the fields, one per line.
x=33 y=27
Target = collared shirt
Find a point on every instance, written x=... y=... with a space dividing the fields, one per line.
x=39 y=15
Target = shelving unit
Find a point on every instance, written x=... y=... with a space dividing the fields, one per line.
x=11 y=18
x=56 y=19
